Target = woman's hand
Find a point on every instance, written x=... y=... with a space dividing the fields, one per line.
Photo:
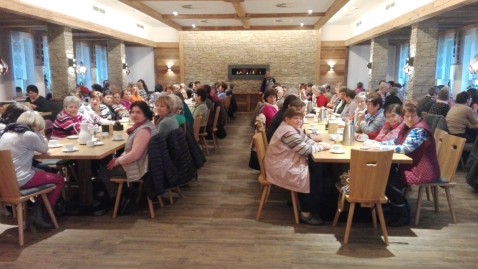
x=325 y=145
x=112 y=164
x=316 y=137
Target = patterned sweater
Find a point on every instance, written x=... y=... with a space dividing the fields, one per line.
x=66 y=125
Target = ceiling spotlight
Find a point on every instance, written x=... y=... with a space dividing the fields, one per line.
x=301 y=24
x=309 y=11
x=194 y=25
x=175 y=13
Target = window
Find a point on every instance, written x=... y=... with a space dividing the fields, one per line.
x=101 y=64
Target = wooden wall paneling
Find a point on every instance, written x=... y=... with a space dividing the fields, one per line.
x=165 y=54
x=333 y=52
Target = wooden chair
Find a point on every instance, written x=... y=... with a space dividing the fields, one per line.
x=227 y=106
x=369 y=172
x=448 y=158
x=10 y=193
x=266 y=186
x=200 y=137
x=439 y=135
x=261 y=128
x=214 y=126
x=121 y=182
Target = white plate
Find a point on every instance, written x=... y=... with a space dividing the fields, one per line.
x=99 y=143
x=360 y=140
x=310 y=116
x=74 y=149
x=57 y=146
x=72 y=137
x=118 y=139
x=337 y=152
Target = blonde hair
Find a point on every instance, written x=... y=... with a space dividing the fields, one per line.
x=168 y=101
x=33 y=120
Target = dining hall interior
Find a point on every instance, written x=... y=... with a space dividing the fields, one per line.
x=227 y=215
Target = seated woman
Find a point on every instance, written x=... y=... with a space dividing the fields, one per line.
x=23 y=139
x=286 y=163
x=200 y=108
x=96 y=112
x=133 y=163
x=372 y=122
x=120 y=110
x=279 y=116
x=108 y=103
x=416 y=141
x=69 y=119
x=183 y=113
x=393 y=123
x=165 y=118
x=461 y=115
x=11 y=114
x=441 y=106
x=350 y=105
x=133 y=88
x=35 y=101
x=125 y=99
x=270 y=107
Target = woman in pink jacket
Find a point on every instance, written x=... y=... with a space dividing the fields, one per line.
x=286 y=162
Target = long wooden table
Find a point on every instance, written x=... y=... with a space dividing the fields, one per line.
x=328 y=157
x=84 y=155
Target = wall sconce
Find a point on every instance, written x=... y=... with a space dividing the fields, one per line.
x=410 y=61
x=126 y=68
x=170 y=68
x=369 y=65
x=3 y=67
x=331 y=67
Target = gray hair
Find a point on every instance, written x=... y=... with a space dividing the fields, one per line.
x=71 y=100
x=33 y=120
x=360 y=97
x=178 y=103
x=292 y=91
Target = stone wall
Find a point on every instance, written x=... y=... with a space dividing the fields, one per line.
x=290 y=54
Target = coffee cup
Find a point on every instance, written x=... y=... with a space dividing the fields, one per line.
x=53 y=143
x=313 y=128
x=69 y=147
x=362 y=137
x=90 y=143
x=336 y=148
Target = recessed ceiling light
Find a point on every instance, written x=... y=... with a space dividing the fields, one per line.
x=286 y=5
x=175 y=13
x=310 y=11
x=192 y=6
x=194 y=25
x=281 y=20
x=301 y=24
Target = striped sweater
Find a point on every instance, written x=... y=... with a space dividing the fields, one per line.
x=66 y=125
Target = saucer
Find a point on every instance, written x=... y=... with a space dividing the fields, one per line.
x=57 y=146
x=65 y=150
x=337 y=151
x=99 y=143
x=360 y=140
x=121 y=139
x=72 y=137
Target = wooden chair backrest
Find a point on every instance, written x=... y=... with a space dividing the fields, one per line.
x=261 y=155
x=439 y=136
x=369 y=172
x=8 y=179
x=449 y=156
x=227 y=102
x=216 y=117
x=197 y=127
x=207 y=117
x=261 y=129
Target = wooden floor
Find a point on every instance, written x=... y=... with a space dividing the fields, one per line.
x=214 y=226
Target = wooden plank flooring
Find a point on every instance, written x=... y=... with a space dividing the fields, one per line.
x=214 y=226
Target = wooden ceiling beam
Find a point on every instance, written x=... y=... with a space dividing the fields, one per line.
x=241 y=13
x=331 y=11
x=151 y=12
x=427 y=11
x=237 y=28
x=248 y=15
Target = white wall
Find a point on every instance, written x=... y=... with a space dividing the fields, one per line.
x=357 y=66
x=141 y=65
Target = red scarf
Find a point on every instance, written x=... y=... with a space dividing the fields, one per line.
x=135 y=126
